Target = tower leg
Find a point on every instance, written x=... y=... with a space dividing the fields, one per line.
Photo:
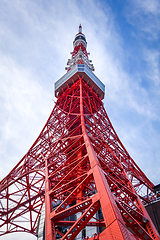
x=48 y=223
x=115 y=225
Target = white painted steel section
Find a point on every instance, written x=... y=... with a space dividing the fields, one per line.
x=82 y=70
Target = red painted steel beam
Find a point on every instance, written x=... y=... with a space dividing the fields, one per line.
x=77 y=159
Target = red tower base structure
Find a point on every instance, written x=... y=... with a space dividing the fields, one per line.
x=79 y=168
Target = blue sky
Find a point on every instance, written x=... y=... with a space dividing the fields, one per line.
x=124 y=43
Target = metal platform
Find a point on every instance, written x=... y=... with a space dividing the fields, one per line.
x=88 y=76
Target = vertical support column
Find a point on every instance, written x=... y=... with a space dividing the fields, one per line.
x=115 y=226
x=48 y=222
x=7 y=196
x=79 y=195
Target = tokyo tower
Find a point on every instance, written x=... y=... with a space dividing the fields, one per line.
x=77 y=181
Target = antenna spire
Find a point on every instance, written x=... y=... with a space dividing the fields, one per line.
x=80 y=28
x=79 y=54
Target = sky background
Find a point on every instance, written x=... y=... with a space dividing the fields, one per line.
x=123 y=38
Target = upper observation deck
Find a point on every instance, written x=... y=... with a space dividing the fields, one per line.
x=88 y=76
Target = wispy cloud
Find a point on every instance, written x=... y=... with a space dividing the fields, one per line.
x=35 y=41
x=145 y=15
x=153 y=61
x=149 y=6
x=24 y=106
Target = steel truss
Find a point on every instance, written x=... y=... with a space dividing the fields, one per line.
x=79 y=167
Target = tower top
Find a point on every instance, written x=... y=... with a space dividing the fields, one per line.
x=80 y=28
x=80 y=39
x=79 y=54
x=79 y=66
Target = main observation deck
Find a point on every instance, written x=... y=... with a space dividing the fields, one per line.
x=88 y=76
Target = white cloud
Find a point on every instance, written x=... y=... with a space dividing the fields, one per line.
x=149 y=6
x=25 y=105
x=145 y=15
x=153 y=60
x=35 y=41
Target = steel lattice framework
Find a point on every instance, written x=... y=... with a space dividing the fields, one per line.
x=78 y=167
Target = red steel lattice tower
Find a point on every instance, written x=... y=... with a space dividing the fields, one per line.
x=79 y=169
